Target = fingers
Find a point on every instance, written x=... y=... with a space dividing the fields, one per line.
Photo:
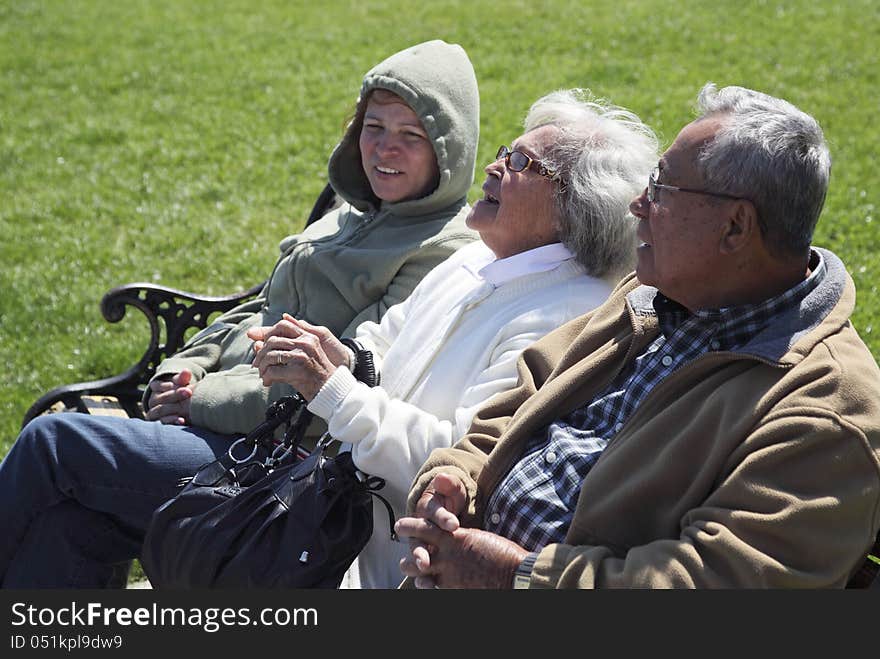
x=300 y=363
x=417 y=563
x=423 y=536
x=420 y=580
x=452 y=488
x=445 y=520
x=183 y=378
x=431 y=506
x=292 y=328
x=442 y=501
x=318 y=330
x=175 y=395
x=171 y=414
x=333 y=348
x=171 y=406
x=421 y=554
x=164 y=396
x=408 y=567
x=279 y=351
x=425 y=582
x=171 y=420
x=283 y=327
x=422 y=531
x=178 y=380
x=158 y=386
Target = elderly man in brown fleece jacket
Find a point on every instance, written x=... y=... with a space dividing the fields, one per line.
x=716 y=423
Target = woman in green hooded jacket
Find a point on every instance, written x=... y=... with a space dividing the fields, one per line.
x=80 y=490
x=361 y=258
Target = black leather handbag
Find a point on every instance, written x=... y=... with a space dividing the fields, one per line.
x=281 y=522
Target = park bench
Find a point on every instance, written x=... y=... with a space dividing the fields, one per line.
x=177 y=312
x=171 y=314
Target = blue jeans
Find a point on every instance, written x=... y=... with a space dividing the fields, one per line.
x=77 y=493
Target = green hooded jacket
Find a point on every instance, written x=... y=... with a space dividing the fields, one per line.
x=359 y=259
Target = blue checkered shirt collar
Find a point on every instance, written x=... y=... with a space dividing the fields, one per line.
x=733 y=327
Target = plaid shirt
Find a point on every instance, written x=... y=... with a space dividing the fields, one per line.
x=534 y=504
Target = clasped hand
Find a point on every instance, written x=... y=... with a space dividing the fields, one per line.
x=443 y=554
x=297 y=353
x=169 y=400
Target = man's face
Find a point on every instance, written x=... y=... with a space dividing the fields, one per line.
x=681 y=231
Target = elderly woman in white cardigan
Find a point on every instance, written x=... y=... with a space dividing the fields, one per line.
x=556 y=235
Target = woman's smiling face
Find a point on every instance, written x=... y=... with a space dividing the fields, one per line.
x=396 y=152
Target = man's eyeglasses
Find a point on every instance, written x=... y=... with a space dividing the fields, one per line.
x=653 y=186
x=517 y=161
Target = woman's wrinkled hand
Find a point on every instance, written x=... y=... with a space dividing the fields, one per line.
x=297 y=353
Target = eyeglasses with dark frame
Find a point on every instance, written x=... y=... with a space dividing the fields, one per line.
x=517 y=161
x=653 y=186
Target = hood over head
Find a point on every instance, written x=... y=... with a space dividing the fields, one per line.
x=437 y=80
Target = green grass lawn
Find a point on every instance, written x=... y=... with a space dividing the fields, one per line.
x=178 y=142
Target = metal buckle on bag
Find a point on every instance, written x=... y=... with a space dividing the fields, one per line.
x=236 y=443
x=325 y=441
x=281 y=451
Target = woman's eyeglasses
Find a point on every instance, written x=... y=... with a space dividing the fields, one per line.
x=517 y=161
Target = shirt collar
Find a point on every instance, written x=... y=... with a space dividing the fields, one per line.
x=539 y=259
x=737 y=324
x=774 y=304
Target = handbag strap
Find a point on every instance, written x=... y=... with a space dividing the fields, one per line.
x=370 y=483
x=373 y=483
x=296 y=428
x=287 y=409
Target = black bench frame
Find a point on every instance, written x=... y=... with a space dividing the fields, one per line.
x=170 y=313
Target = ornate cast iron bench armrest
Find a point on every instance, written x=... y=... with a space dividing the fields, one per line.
x=178 y=312
x=169 y=311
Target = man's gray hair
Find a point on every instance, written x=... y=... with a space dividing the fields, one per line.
x=603 y=156
x=772 y=153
